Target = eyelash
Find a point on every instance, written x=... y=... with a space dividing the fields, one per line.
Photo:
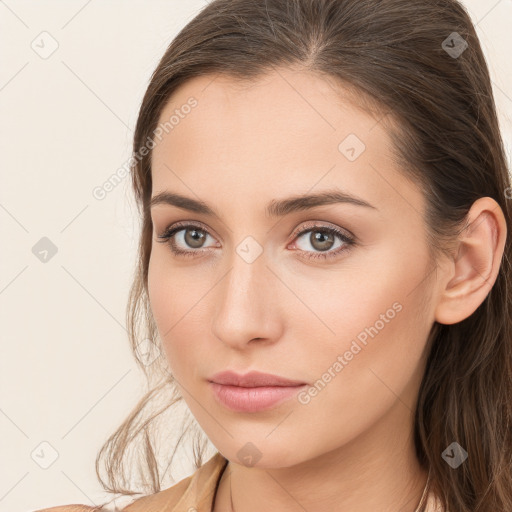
x=166 y=237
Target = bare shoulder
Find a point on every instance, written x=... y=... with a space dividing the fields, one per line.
x=70 y=508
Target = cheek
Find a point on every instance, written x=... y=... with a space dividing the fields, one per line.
x=171 y=291
x=370 y=354
x=373 y=315
x=160 y=292
x=175 y=295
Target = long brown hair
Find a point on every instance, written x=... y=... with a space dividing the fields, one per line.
x=418 y=66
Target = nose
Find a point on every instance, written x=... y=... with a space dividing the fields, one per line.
x=247 y=307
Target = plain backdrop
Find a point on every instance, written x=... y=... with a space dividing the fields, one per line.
x=72 y=77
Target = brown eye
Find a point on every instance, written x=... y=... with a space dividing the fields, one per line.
x=189 y=240
x=194 y=237
x=322 y=239
x=185 y=240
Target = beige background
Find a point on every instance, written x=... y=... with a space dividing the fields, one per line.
x=67 y=377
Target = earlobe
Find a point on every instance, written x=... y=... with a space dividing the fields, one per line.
x=474 y=269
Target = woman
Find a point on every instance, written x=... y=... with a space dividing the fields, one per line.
x=324 y=200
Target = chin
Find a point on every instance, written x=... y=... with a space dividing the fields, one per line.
x=263 y=456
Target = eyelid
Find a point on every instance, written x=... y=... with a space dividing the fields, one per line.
x=319 y=224
x=347 y=238
x=303 y=227
x=175 y=226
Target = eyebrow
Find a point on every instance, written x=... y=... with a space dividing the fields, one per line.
x=275 y=208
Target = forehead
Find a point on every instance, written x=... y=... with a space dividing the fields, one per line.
x=288 y=132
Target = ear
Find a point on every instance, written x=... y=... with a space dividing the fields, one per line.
x=473 y=271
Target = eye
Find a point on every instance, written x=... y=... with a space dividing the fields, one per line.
x=188 y=235
x=322 y=238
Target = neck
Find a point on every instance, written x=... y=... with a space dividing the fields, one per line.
x=378 y=470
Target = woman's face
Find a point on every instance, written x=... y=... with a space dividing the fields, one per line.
x=263 y=285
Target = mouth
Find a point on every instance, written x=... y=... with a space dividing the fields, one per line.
x=253 y=379
x=254 y=391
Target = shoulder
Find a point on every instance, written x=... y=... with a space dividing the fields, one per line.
x=70 y=508
x=194 y=492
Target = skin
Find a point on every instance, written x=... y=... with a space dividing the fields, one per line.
x=351 y=446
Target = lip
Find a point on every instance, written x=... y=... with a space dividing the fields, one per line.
x=254 y=391
x=253 y=379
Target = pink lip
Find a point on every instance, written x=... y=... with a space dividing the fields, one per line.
x=252 y=379
x=253 y=391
